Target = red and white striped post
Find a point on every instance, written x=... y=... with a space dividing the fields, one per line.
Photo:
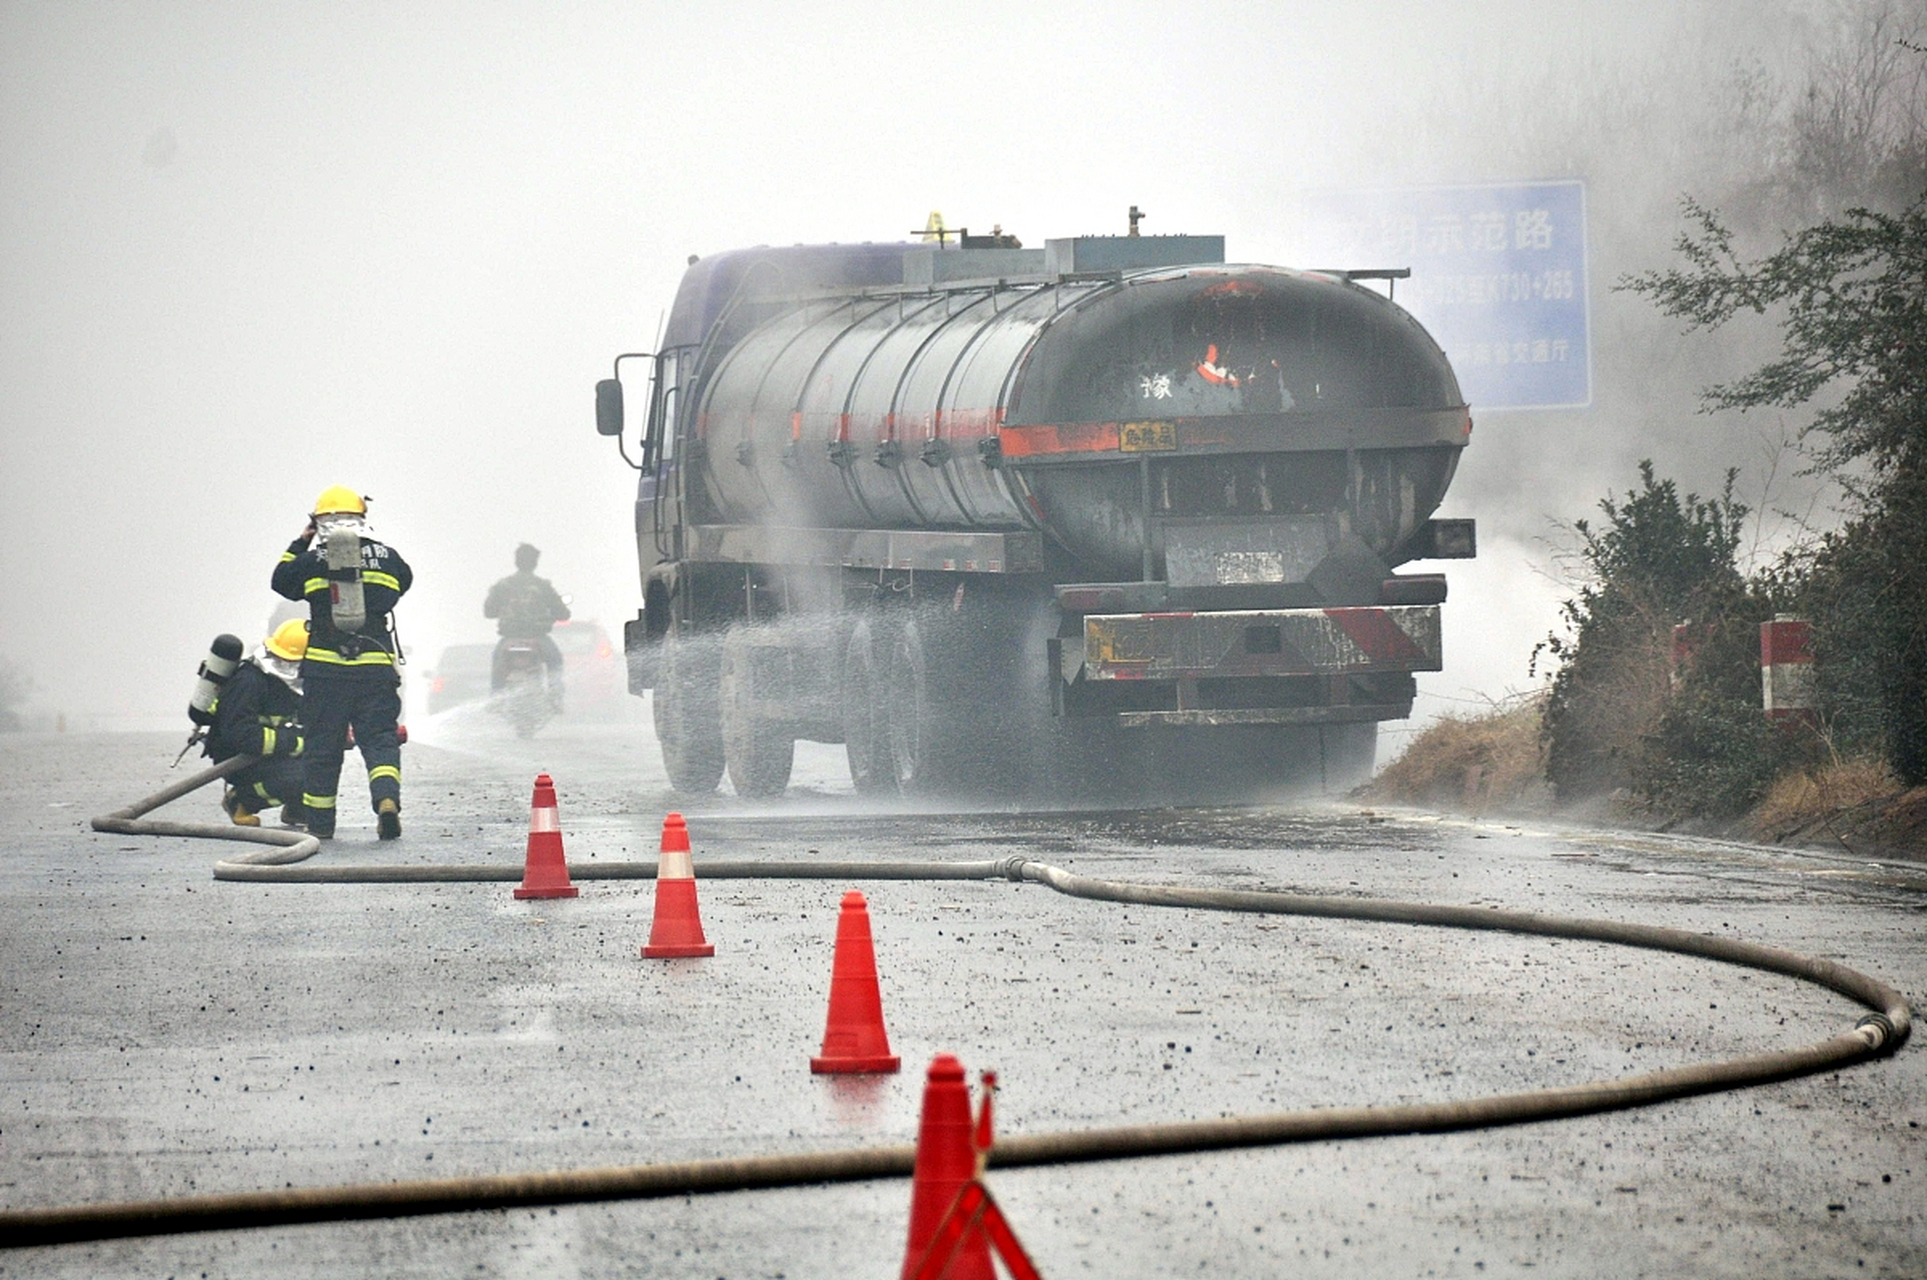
x=1786 y=673
x=1687 y=639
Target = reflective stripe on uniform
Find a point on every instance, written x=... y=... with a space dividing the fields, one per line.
x=287 y=557
x=374 y=579
x=373 y=658
x=267 y=741
x=385 y=771
x=313 y=585
x=261 y=789
x=317 y=802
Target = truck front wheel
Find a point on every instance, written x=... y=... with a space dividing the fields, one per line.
x=688 y=709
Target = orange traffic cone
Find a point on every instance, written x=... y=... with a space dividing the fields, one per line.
x=678 y=929
x=946 y=1163
x=853 y=1038
x=546 y=873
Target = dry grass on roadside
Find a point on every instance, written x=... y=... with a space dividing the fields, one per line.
x=1474 y=764
x=1849 y=801
x=1495 y=763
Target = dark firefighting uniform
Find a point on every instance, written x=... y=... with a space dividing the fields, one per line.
x=348 y=678
x=259 y=715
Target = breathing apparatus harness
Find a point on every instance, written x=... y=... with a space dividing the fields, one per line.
x=341 y=551
x=341 y=554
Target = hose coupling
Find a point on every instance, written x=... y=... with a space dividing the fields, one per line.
x=1011 y=868
x=1882 y=1027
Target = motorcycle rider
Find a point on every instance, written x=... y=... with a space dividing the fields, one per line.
x=526 y=607
x=258 y=713
x=351 y=581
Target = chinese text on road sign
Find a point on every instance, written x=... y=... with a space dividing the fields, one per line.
x=1498 y=277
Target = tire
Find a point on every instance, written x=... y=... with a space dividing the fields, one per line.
x=758 y=748
x=910 y=739
x=526 y=702
x=866 y=739
x=963 y=706
x=1348 y=752
x=1034 y=753
x=688 y=710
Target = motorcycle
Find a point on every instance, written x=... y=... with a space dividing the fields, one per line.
x=525 y=697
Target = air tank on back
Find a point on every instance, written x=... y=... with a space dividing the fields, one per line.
x=1145 y=406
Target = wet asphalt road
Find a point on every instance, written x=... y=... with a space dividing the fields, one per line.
x=164 y=1034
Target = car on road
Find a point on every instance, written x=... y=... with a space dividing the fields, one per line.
x=460 y=675
x=594 y=679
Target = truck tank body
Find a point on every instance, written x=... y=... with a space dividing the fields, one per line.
x=1112 y=514
x=1290 y=411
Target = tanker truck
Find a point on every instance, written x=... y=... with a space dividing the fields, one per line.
x=1112 y=517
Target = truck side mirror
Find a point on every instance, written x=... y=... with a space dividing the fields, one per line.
x=608 y=407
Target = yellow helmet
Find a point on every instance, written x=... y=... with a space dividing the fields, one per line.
x=289 y=641
x=339 y=498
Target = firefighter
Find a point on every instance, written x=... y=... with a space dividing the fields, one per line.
x=258 y=713
x=351 y=581
x=525 y=608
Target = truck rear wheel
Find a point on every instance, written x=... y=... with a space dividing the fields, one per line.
x=1349 y=752
x=866 y=739
x=688 y=712
x=905 y=708
x=758 y=747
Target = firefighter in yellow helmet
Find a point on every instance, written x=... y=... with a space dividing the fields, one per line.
x=351 y=582
x=258 y=713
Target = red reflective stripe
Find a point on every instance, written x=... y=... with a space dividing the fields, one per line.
x=973 y=1211
x=964 y=1216
x=1074 y=437
x=1004 y=1241
x=1786 y=641
x=1373 y=631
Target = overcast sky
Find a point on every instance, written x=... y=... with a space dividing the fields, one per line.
x=251 y=250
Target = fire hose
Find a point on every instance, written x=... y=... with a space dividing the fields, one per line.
x=1880 y=1032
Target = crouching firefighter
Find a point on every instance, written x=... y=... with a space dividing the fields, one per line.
x=258 y=713
x=349 y=677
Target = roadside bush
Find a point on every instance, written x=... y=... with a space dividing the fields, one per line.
x=1711 y=753
x=1851 y=297
x=1865 y=588
x=1657 y=560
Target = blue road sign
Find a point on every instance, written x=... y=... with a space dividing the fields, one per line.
x=1498 y=277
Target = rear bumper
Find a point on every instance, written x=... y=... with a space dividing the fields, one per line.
x=1261 y=642
x=1247 y=666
